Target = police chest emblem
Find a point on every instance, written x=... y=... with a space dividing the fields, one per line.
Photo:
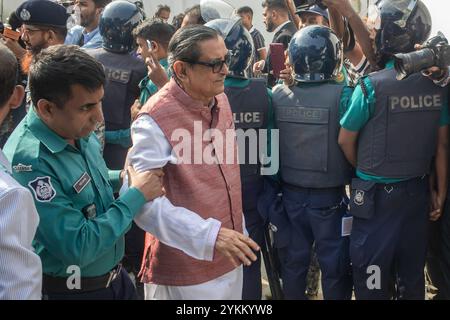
x=359 y=197
x=42 y=189
x=25 y=15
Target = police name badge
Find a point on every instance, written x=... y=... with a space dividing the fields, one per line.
x=42 y=189
x=82 y=182
x=359 y=197
x=22 y=168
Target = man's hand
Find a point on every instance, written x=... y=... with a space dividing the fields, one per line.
x=286 y=75
x=258 y=67
x=148 y=182
x=236 y=246
x=437 y=204
x=14 y=46
x=135 y=108
x=156 y=72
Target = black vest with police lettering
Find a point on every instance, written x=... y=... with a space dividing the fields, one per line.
x=308 y=120
x=123 y=74
x=250 y=107
x=400 y=138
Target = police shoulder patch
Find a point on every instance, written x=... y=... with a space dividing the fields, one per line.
x=42 y=189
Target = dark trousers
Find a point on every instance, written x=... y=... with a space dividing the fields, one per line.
x=252 y=286
x=393 y=238
x=315 y=216
x=438 y=258
x=120 y=289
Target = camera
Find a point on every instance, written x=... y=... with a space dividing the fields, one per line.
x=435 y=52
x=305 y=4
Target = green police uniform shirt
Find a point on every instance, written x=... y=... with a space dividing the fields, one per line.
x=360 y=111
x=80 y=222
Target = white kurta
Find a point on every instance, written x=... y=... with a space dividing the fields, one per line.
x=176 y=226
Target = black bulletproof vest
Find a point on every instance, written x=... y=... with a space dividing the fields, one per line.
x=308 y=120
x=250 y=107
x=123 y=74
x=400 y=138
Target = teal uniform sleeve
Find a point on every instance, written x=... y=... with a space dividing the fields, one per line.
x=346 y=97
x=114 y=179
x=65 y=231
x=361 y=107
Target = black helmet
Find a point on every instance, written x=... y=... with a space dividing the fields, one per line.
x=316 y=54
x=239 y=43
x=398 y=25
x=118 y=20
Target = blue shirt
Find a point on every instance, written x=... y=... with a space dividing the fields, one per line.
x=92 y=40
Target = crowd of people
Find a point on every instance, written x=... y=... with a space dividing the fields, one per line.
x=149 y=159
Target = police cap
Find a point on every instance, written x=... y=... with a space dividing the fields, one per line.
x=42 y=12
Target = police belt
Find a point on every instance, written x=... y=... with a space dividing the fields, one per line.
x=52 y=284
x=292 y=187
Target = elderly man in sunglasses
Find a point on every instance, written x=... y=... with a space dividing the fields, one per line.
x=187 y=129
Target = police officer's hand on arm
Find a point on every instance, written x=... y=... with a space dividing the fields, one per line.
x=148 y=182
x=236 y=246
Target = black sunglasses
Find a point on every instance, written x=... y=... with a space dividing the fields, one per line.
x=216 y=66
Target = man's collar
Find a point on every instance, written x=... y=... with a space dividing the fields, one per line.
x=251 y=29
x=281 y=26
x=44 y=134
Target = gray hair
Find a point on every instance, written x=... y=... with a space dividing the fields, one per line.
x=184 y=45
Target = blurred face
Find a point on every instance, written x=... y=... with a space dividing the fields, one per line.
x=309 y=19
x=79 y=116
x=89 y=14
x=246 y=20
x=268 y=19
x=142 y=48
x=201 y=81
x=35 y=37
x=164 y=15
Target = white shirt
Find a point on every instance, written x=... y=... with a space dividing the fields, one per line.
x=176 y=227
x=20 y=266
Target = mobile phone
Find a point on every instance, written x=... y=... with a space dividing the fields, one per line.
x=11 y=34
x=277 y=60
x=150 y=45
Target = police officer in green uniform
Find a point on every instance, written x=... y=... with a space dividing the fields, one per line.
x=80 y=238
x=390 y=133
